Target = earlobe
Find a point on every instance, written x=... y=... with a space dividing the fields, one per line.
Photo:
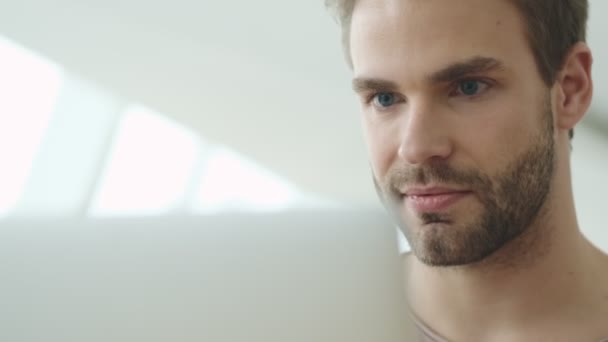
x=574 y=87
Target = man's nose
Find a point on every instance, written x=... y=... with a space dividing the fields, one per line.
x=424 y=135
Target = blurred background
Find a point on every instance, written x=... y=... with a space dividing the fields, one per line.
x=139 y=108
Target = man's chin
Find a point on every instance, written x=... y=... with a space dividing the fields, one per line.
x=444 y=244
x=426 y=225
x=432 y=258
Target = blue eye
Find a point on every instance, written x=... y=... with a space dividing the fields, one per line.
x=471 y=88
x=385 y=100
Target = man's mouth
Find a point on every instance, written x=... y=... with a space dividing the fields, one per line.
x=434 y=199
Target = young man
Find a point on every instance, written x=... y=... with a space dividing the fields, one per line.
x=468 y=109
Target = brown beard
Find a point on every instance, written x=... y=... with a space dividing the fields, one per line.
x=511 y=202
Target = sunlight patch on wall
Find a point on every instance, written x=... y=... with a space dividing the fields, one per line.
x=231 y=182
x=29 y=87
x=149 y=166
x=70 y=148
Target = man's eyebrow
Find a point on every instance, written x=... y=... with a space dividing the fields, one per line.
x=362 y=84
x=459 y=70
x=451 y=73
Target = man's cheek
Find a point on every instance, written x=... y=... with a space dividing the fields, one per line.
x=380 y=170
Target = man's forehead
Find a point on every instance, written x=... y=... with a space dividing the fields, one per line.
x=422 y=37
x=389 y=8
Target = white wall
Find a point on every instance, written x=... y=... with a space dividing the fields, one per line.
x=265 y=78
x=590 y=168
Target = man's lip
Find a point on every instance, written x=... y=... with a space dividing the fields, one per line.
x=434 y=200
x=432 y=191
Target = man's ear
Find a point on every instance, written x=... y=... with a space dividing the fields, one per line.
x=574 y=87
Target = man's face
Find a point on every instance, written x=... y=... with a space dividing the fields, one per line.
x=457 y=119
